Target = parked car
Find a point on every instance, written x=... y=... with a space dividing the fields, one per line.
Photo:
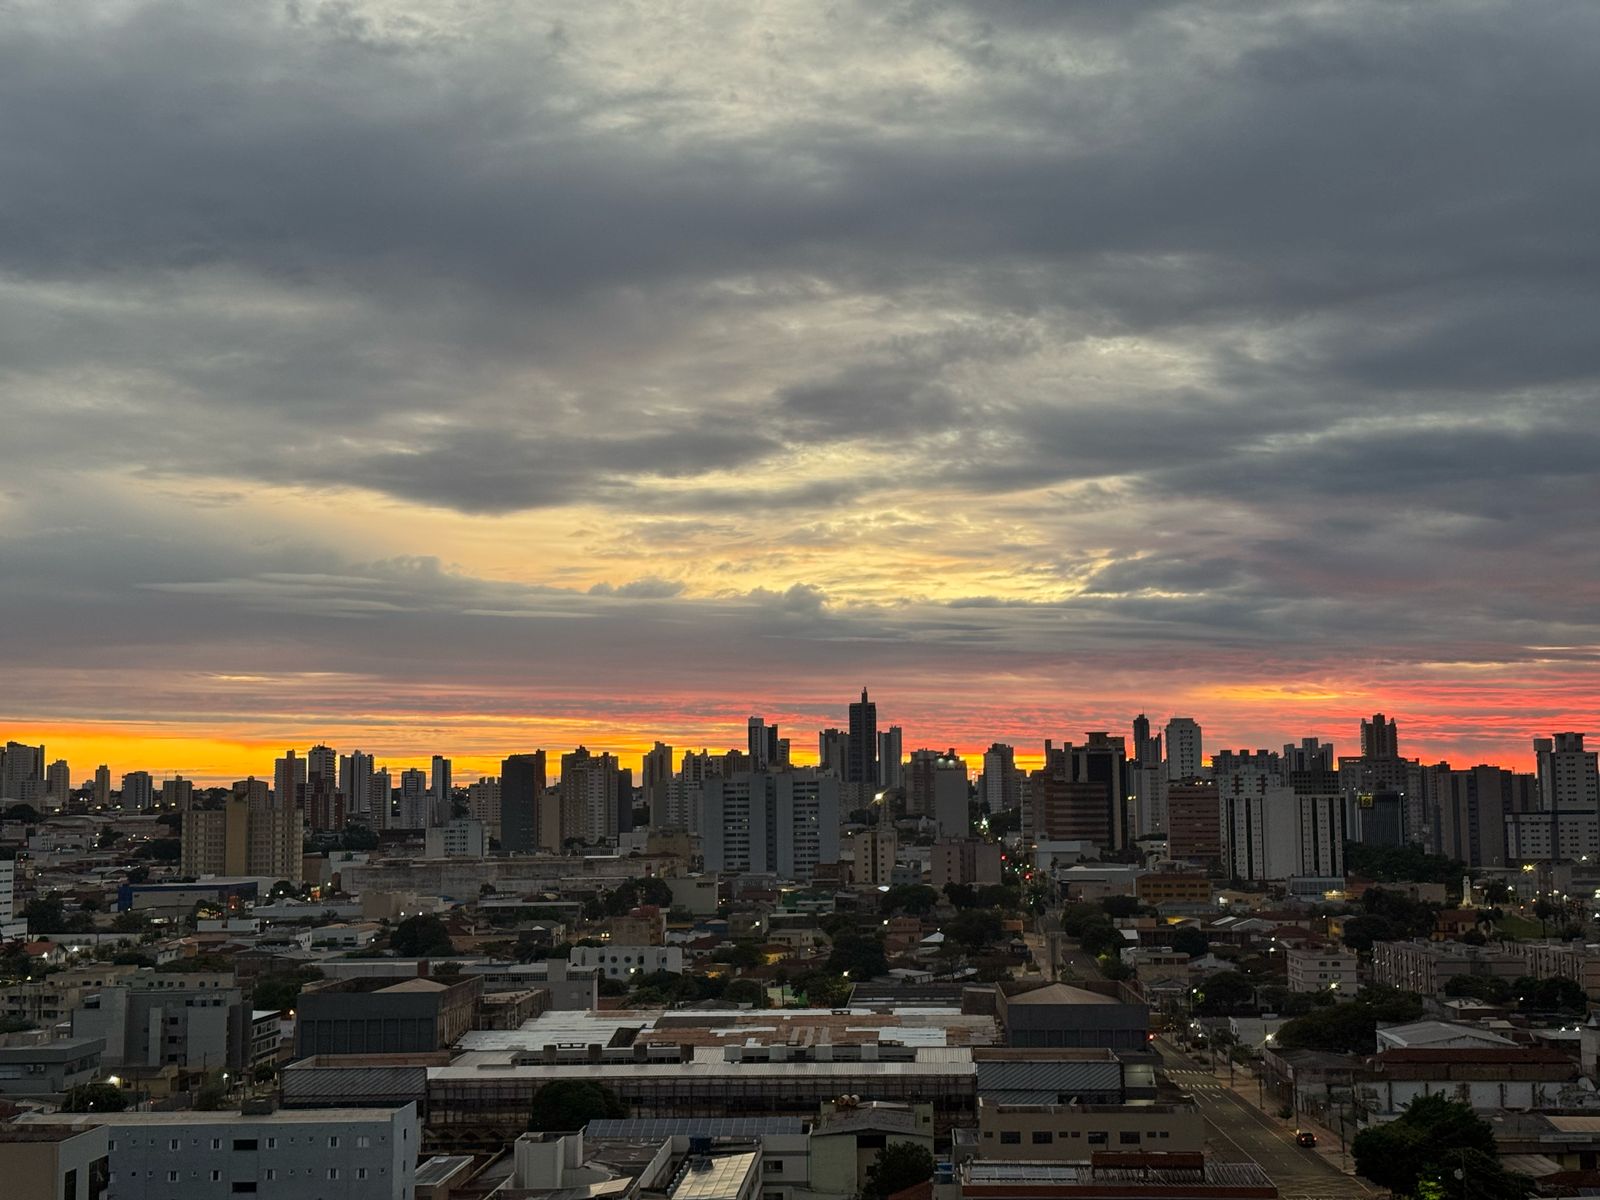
x=1305 y=1138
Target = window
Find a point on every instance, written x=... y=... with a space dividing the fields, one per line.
x=272 y=1143
x=363 y=1141
x=244 y=1143
x=1128 y=1137
x=361 y=1172
x=772 y=1166
x=216 y=1143
x=244 y=1185
x=1010 y=1137
x=216 y=1177
x=333 y=1172
x=1097 y=1137
x=270 y=1174
x=333 y=1144
x=988 y=1133
x=172 y=1177
x=1043 y=1137
x=172 y=1143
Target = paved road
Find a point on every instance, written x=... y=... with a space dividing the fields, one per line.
x=1237 y=1130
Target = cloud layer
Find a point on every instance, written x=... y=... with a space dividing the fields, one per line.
x=479 y=373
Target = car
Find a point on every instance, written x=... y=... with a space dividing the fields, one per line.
x=1305 y=1138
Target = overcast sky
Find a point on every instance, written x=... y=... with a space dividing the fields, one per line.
x=475 y=376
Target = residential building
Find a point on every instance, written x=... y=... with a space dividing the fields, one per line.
x=57 y=784
x=288 y=780
x=359 y=1153
x=102 y=786
x=861 y=761
x=439 y=791
x=936 y=788
x=1379 y=738
x=621 y=961
x=655 y=781
x=187 y=1024
x=891 y=758
x=522 y=789
x=1425 y=967
x=138 y=791
x=356 y=781
x=1568 y=777
x=42 y=1162
x=593 y=806
x=11 y=925
x=483 y=804
x=1078 y=794
x=965 y=860
x=22 y=774
x=1194 y=822
x=1321 y=969
x=1178 y=889
x=872 y=856
x=414 y=805
x=1184 y=758
x=1467 y=811
x=1565 y=960
x=1553 y=835
x=761 y=741
x=1000 y=786
x=833 y=751
x=177 y=794
x=460 y=838
x=49 y=1069
x=764 y=823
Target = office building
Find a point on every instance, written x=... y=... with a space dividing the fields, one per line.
x=366 y=1153
x=782 y=823
x=861 y=761
x=138 y=792
x=1183 y=749
x=522 y=788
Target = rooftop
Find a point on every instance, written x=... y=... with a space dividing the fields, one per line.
x=1060 y=993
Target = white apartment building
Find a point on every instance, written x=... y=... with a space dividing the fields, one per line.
x=307 y=1154
x=620 y=962
x=460 y=838
x=1326 y=969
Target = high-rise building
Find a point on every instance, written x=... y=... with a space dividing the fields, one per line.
x=522 y=789
x=138 y=792
x=177 y=793
x=783 y=823
x=591 y=797
x=1379 y=738
x=1260 y=832
x=1184 y=759
x=102 y=786
x=1194 y=822
x=833 y=751
x=891 y=758
x=761 y=741
x=1078 y=793
x=1309 y=755
x=323 y=760
x=325 y=800
x=861 y=761
x=1567 y=772
x=1001 y=784
x=872 y=855
x=252 y=833
x=1467 y=811
x=381 y=815
x=1321 y=822
x=439 y=791
x=936 y=787
x=356 y=782
x=483 y=804
x=655 y=780
x=1146 y=749
x=288 y=779
x=22 y=774
x=1147 y=780
x=57 y=783
x=415 y=800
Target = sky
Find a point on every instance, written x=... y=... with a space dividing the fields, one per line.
x=473 y=377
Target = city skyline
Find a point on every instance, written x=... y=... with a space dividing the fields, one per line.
x=1037 y=363
x=632 y=745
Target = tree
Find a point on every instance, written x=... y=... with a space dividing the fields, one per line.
x=1496 y=892
x=962 y=895
x=281 y=989
x=1349 y=1028
x=45 y=914
x=823 y=990
x=975 y=928
x=1225 y=994
x=25 y=813
x=745 y=991
x=420 y=937
x=1190 y=941
x=913 y=898
x=1120 y=906
x=164 y=850
x=1551 y=995
x=1431 y=1140
x=858 y=957
x=564 y=1105
x=94 y=1097
x=897 y=1166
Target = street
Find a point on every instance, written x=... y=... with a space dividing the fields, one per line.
x=1238 y=1130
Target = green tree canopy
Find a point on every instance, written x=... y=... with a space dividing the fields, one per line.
x=280 y=989
x=916 y=899
x=975 y=928
x=1225 y=994
x=1427 y=1145
x=94 y=1097
x=1352 y=1027
x=1190 y=941
x=1489 y=988
x=897 y=1167
x=858 y=956
x=421 y=936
